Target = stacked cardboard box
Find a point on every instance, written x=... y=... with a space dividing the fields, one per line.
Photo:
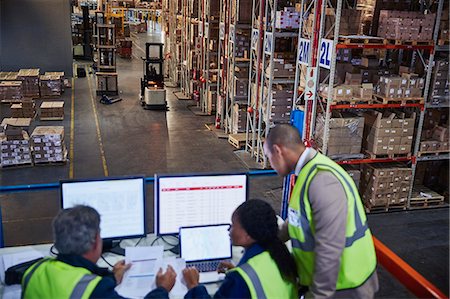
x=385 y=185
x=281 y=105
x=282 y=68
x=354 y=172
x=30 y=82
x=242 y=45
x=405 y=86
x=388 y=133
x=440 y=83
x=57 y=74
x=288 y=18
x=348 y=92
x=48 y=144
x=52 y=110
x=11 y=91
x=240 y=87
x=15 y=150
x=50 y=86
x=8 y=76
x=350 y=23
x=345 y=134
x=239 y=118
x=26 y=109
x=406 y=25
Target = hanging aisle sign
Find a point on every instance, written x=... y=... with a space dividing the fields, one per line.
x=200 y=29
x=326 y=52
x=232 y=33
x=268 y=43
x=206 y=30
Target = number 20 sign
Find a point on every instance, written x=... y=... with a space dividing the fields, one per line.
x=326 y=51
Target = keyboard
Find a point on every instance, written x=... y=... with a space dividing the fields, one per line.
x=207 y=266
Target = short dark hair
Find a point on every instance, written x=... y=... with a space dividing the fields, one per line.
x=285 y=135
x=75 y=229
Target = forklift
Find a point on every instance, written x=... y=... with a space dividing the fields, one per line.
x=153 y=94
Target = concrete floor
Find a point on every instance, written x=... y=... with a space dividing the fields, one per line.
x=129 y=140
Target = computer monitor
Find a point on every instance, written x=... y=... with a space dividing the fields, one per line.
x=196 y=199
x=119 y=201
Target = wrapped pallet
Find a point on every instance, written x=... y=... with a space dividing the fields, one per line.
x=48 y=144
x=50 y=86
x=30 y=82
x=15 y=150
x=11 y=91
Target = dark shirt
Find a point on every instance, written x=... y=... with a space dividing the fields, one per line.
x=105 y=288
x=233 y=286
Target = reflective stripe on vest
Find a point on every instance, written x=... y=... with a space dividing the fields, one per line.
x=255 y=280
x=26 y=279
x=81 y=286
x=308 y=244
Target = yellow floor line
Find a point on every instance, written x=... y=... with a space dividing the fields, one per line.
x=97 y=124
x=72 y=129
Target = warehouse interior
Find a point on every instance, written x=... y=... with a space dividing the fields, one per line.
x=139 y=88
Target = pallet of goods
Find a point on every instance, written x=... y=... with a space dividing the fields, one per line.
x=30 y=82
x=406 y=25
x=8 y=76
x=26 y=109
x=50 y=86
x=423 y=197
x=345 y=134
x=15 y=147
x=11 y=91
x=48 y=145
x=404 y=88
x=58 y=74
x=385 y=188
x=52 y=110
x=388 y=134
x=440 y=83
x=239 y=118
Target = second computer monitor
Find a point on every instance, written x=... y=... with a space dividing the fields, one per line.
x=198 y=199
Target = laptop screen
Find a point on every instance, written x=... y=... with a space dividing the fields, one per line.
x=201 y=243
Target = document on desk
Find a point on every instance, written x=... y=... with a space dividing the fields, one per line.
x=140 y=278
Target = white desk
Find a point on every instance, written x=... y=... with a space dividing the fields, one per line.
x=13 y=292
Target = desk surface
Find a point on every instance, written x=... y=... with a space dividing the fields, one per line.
x=13 y=292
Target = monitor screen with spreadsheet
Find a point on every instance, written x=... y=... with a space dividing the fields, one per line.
x=198 y=199
x=119 y=201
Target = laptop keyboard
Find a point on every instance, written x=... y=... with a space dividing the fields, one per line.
x=207 y=266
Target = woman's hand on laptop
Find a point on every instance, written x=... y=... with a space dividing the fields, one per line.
x=191 y=277
x=224 y=266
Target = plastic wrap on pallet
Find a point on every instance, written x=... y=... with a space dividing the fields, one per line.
x=345 y=133
x=16 y=151
x=48 y=144
x=11 y=91
x=50 y=85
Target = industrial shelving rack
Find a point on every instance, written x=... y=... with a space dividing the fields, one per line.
x=173 y=44
x=190 y=47
x=238 y=26
x=224 y=26
x=264 y=38
x=209 y=31
x=311 y=106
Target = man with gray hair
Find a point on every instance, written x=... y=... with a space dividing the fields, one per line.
x=74 y=273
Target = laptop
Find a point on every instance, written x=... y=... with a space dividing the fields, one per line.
x=204 y=247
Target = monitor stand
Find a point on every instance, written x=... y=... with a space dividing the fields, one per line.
x=175 y=249
x=113 y=246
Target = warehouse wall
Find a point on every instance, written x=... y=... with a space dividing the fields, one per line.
x=35 y=34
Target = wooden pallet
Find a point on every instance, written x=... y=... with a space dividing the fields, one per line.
x=51 y=118
x=432 y=153
x=419 y=202
x=389 y=156
x=363 y=40
x=402 y=101
x=11 y=101
x=237 y=140
x=353 y=101
x=53 y=163
x=399 y=42
x=386 y=208
x=16 y=166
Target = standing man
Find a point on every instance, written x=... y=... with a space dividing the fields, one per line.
x=331 y=242
x=74 y=273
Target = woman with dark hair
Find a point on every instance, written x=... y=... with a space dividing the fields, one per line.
x=266 y=270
